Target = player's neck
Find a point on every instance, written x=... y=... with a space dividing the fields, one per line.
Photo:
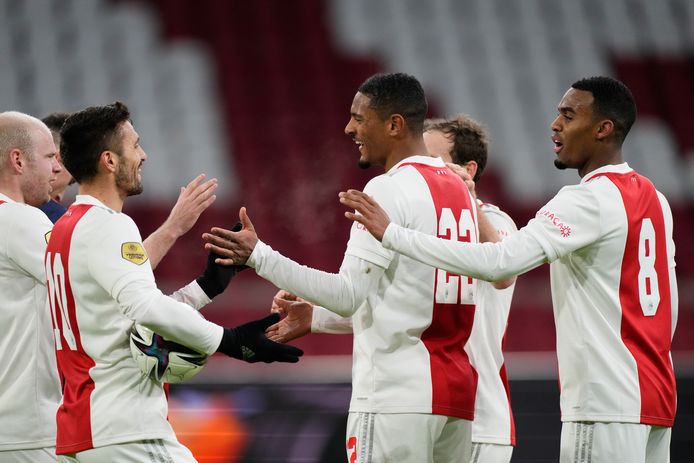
x=106 y=193
x=11 y=190
x=608 y=159
x=404 y=150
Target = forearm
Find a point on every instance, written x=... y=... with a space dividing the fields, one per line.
x=486 y=261
x=341 y=293
x=325 y=321
x=171 y=319
x=192 y=295
x=159 y=243
x=489 y=234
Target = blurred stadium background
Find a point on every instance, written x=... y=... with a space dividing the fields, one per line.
x=257 y=93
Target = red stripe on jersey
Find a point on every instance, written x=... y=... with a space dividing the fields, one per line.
x=74 y=413
x=504 y=381
x=453 y=379
x=648 y=338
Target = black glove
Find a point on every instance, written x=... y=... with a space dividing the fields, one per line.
x=249 y=343
x=216 y=278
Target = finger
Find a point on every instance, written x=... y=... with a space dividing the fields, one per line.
x=206 y=189
x=274 y=308
x=195 y=182
x=274 y=330
x=206 y=203
x=283 y=304
x=356 y=217
x=245 y=220
x=218 y=240
x=220 y=232
x=225 y=261
x=223 y=253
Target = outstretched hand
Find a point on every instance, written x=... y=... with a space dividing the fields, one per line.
x=297 y=321
x=216 y=277
x=369 y=213
x=249 y=343
x=192 y=201
x=233 y=248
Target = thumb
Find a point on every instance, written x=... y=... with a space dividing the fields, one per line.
x=283 y=304
x=245 y=220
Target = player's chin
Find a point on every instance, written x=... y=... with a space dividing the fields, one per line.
x=364 y=163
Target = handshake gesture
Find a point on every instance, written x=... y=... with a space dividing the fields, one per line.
x=249 y=343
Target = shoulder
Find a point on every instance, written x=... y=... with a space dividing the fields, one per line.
x=499 y=218
x=24 y=216
x=380 y=184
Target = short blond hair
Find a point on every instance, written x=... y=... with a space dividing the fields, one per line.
x=17 y=132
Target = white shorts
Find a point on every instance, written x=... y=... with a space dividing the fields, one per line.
x=483 y=452
x=44 y=455
x=610 y=442
x=145 y=451
x=407 y=438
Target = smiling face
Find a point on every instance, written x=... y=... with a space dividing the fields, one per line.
x=368 y=131
x=129 y=169
x=574 y=131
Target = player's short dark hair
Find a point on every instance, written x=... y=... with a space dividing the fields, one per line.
x=611 y=100
x=470 y=140
x=397 y=93
x=54 y=122
x=88 y=133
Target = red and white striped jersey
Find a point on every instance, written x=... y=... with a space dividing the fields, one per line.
x=29 y=384
x=613 y=277
x=100 y=283
x=409 y=334
x=493 y=417
x=614 y=290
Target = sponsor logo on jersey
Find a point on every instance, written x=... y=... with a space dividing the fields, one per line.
x=564 y=228
x=133 y=252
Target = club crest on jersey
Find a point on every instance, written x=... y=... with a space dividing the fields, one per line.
x=133 y=252
x=564 y=228
x=47 y=236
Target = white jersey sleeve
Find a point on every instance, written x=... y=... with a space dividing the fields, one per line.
x=325 y=321
x=514 y=255
x=361 y=243
x=570 y=221
x=342 y=293
x=132 y=285
x=27 y=235
x=193 y=295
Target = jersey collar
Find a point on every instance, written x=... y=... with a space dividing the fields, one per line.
x=88 y=199
x=419 y=159
x=622 y=168
x=6 y=198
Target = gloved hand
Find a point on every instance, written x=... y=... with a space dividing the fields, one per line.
x=249 y=343
x=216 y=278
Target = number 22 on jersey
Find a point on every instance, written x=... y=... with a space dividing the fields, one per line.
x=452 y=288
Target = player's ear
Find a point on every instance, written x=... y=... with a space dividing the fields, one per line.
x=605 y=128
x=108 y=160
x=471 y=167
x=396 y=124
x=16 y=160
